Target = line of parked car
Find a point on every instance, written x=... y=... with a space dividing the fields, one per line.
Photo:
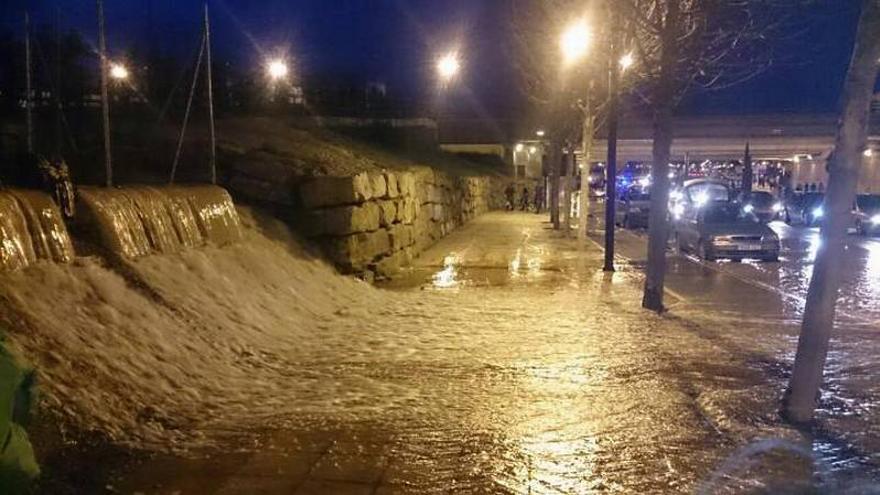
x=709 y=219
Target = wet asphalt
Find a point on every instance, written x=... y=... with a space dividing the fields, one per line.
x=510 y=363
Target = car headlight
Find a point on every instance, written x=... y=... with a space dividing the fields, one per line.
x=818 y=212
x=748 y=208
x=777 y=207
x=677 y=210
x=875 y=219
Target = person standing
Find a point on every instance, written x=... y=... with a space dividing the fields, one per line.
x=509 y=192
x=539 y=197
x=524 y=200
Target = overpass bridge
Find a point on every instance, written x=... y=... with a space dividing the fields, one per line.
x=800 y=142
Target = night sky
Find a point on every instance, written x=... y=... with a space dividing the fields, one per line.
x=395 y=42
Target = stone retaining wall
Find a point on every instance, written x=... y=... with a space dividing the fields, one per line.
x=372 y=224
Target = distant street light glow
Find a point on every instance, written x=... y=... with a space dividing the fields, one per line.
x=869 y=152
x=540 y=133
x=575 y=42
x=448 y=66
x=519 y=147
x=118 y=72
x=277 y=69
x=627 y=61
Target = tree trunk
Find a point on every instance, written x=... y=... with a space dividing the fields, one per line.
x=555 y=159
x=658 y=225
x=584 y=210
x=843 y=168
x=568 y=166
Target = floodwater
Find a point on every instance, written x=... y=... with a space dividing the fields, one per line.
x=506 y=361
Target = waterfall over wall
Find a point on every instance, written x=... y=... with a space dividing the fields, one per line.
x=31 y=229
x=137 y=221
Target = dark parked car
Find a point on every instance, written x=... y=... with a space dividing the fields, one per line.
x=761 y=204
x=806 y=208
x=633 y=207
x=866 y=214
x=724 y=230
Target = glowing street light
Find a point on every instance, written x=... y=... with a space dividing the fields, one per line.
x=118 y=72
x=868 y=152
x=448 y=66
x=627 y=61
x=519 y=147
x=540 y=133
x=277 y=69
x=575 y=42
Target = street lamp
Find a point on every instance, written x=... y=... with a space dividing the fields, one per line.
x=575 y=42
x=277 y=69
x=540 y=133
x=448 y=67
x=627 y=61
x=118 y=72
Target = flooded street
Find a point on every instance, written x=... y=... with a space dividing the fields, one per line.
x=507 y=362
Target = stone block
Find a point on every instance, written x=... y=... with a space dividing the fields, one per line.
x=356 y=251
x=334 y=191
x=389 y=266
x=406 y=211
x=401 y=236
x=345 y=220
x=406 y=183
x=387 y=212
x=392 y=182
x=435 y=194
x=438 y=212
x=378 y=186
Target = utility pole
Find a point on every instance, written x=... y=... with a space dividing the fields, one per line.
x=587 y=143
x=58 y=103
x=210 y=90
x=28 y=99
x=613 y=109
x=189 y=101
x=105 y=99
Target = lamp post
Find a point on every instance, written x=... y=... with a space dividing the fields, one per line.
x=277 y=70
x=574 y=45
x=613 y=114
x=448 y=67
x=119 y=72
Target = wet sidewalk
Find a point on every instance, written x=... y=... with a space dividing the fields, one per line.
x=506 y=361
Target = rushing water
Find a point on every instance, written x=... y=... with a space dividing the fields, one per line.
x=136 y=221
x=506 y=363
x=31 y=229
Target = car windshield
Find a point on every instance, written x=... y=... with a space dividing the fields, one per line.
x=812 y=199
x=724 y=213
x=639 y=194
x=868 y=201
x=708 y=191
x=760 y=199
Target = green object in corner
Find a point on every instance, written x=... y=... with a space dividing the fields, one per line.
x=18 y=466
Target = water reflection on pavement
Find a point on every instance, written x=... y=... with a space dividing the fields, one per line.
x=508 y=362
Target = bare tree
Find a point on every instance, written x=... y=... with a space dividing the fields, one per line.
x=843 y=168
x=681 y=45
